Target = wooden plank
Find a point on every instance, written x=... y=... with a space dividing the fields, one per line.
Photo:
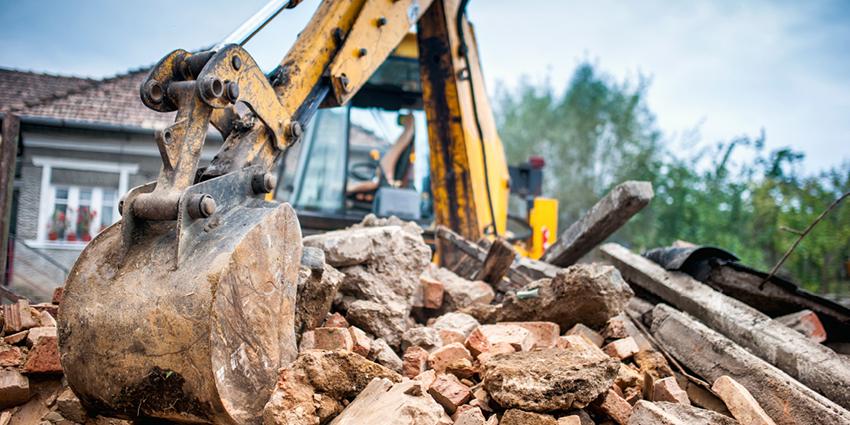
x=497 y=263
x=605 y=218
x=8 y=152
x=814 y=365
x=711 y=355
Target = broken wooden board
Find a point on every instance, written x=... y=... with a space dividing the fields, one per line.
x=605 y=218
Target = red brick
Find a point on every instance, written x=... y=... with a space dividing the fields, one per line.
x=740 y=402
x=484 y=336
x=333 y=339
x=805 y=322
x=614 y=406
x=414 y=361
x=11 y=356
x=361 y=344
x=449 y=392
x=18 y=317
x=545 y=334
x=426 y=378
x=432 y=292
x=449 y=336
x=39 y=332
x=621 y=348
x=44 y=357
x=335 y=321
x=668 y=389
x=448 y=355
x=588 y=333
x=16 y=338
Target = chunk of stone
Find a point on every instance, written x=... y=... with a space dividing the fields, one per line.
x=39 y=332
x=448 y=355
x=569 y=420
x=545 y=334
x=387 y=321
x=459 y=292
x=550 y=379
x=317 y=286
x=458 y=322
x=628 y=376
x=590 y=334
x=314 y=382
x=615 y=328
x=385 y=355
x=70 y=407
x=520 y=417
x=665 y=413
x=615 y=406
x=427 y=338
x=414 y=361
x=333 y=339
x=14 y=388
x=740 y=402
x=44 y=356
x=308 y=341
x=449 y=392
x=498 y=348
x=582 y=293
x=667 y=389
x=16 y=338
x=387 y=404
x=621 y=348
x=472 y=416
x=362 y=344
x=46 y=319
x=484 y=336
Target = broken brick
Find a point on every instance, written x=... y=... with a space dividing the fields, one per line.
x=11 y=356
x=667 y=389
x=484 y=336
x=740 y=402
x=545 y=334
x=18 y=317
x=470 y=416
x=44 y=357
x=414 y=361
x=333 y=339
x=590 y=334
x=449 y=392
x=335 y=321
x=449 y=336
x=614 y=406
x=448 y=355
x=621 y=348
x=432 y=292
x=39 y=332
x=805 y=322
x=16 y=338
x=362 y=344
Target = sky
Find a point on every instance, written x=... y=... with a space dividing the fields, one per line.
x=723 y=68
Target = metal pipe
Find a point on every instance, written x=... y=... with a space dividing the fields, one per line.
x=255 y=23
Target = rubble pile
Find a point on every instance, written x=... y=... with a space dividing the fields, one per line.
x=387 y=337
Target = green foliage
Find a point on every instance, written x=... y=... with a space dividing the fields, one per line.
x=600 y=132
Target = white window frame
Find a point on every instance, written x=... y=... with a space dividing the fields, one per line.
x=47 y=193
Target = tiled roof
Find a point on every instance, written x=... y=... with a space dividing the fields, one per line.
x=113 y=101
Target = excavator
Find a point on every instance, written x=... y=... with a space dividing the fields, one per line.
x=183 y=311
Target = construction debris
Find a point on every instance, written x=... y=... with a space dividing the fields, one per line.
x=386 y=337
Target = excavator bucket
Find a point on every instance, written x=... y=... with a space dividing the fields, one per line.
x=184 y=310
x=198 y=341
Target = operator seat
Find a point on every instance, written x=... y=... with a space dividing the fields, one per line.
x=388 y=165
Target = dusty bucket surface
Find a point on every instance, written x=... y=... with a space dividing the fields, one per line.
x=141 y=336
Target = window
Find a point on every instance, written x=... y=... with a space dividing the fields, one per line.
x=80 y=213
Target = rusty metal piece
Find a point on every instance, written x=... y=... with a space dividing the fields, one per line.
x=198 y=342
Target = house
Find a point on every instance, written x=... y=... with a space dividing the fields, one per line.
x=83 y=143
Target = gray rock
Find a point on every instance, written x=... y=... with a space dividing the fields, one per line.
x=427 y=338
x=384 y=355
x=387 y=321
x=551 y=379
x=456 y=321
x=317 y=286
x=459 y=292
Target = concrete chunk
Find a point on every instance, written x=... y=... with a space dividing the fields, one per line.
x=14 y=388
x=400 y=404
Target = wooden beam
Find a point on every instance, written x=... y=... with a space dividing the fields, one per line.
x=497 y=263
x=8 y=153
x=605 y=218
x=813 y=364
x=711 y=355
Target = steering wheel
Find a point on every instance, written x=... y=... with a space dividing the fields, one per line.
x=363 y=171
